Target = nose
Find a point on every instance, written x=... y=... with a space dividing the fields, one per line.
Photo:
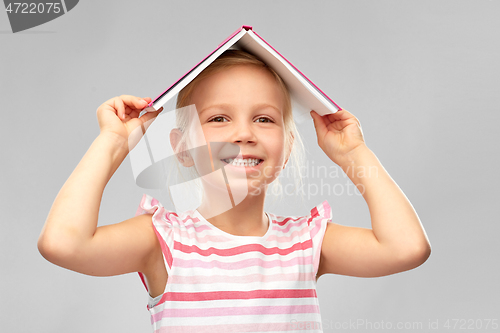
x=243 y=133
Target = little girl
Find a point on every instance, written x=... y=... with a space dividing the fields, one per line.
x=232 y=268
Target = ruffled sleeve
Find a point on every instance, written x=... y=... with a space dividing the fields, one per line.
x=148 y=205
x=317 y=221
x=163 y=221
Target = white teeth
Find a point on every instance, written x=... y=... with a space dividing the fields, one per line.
x=242 y=162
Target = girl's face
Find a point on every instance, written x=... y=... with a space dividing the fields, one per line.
x=242 y=105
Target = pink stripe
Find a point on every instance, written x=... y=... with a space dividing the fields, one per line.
x=197 y=229
x=194 y=231
x=190 y=220
x=243 y=263
x=327 y=209
x=314 y=213
x=290 y=225
x=143 y=280
x=141 y=210
x=326 y=212
x=235 y=311
x=316 y=228
x=202 y=279
x=289 y=238
x=285 y=221
x=168 y=213
x=317 y=249
x=242 y=249
x=225 y=295
x=165 y=250
x=254 y=327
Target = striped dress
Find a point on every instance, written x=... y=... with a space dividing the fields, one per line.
x=218 y=282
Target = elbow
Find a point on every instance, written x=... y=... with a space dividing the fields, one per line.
x=422 y=253
x=417 y=255
x=53 y=249
x=47 y=248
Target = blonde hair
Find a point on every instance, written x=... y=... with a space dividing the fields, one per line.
x=232 y=58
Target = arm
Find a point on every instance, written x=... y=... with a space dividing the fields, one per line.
x=397 y=240
x=70 y=237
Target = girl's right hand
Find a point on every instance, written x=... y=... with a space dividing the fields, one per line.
x=120 y=116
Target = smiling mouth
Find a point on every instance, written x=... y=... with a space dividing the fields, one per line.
x=246 y=162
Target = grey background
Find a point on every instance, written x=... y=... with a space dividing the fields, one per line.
x=422 y=77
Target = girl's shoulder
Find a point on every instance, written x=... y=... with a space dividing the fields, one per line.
x=150 y=205
x=320 y=212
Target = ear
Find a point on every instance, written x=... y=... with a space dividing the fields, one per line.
x=181 y=153
x=289 y=152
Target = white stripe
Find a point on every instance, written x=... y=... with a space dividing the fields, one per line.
x=233 y=272
x=238 y=272
x=242 y=319
x=213 y=287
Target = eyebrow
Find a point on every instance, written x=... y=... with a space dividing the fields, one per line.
x=229 y=106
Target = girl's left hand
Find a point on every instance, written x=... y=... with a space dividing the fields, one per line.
x=339 y=134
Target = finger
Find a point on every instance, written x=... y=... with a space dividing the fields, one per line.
x=134 y=113
x=343 y=115
x=340 y=115
x=327 y=120
x=149 y=116
x=319 y=124
x=343 y=118
x=111 y=105
x=119 y=107
x=134 y=102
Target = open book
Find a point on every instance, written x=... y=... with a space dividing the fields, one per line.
x=153 y=157
x=305 y=95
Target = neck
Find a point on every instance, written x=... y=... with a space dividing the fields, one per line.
x=237 y=217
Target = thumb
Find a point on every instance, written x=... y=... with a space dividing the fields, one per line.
x=145 y=118
x=319 y=124
x=140 y=127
